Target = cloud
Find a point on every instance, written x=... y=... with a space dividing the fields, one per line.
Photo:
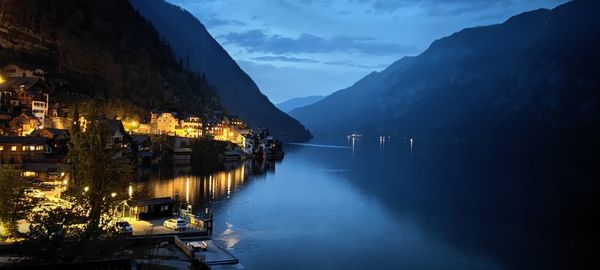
x=283 y=83
x=345 y=63
x=350 y=63
x=299 y=4
x=270 y=58
x=435 y=7
x=215 y=21
x=257 y=41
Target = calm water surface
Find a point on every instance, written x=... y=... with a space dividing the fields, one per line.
x=375 y=204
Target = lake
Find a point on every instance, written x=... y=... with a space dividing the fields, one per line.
x=378 y=203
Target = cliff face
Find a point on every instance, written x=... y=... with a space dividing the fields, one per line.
x=105 y=50
x=236 y=90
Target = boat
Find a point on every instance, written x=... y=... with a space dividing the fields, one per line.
x=355 y=135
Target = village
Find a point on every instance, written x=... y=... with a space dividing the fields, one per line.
x=34 y=129
x=35 y=132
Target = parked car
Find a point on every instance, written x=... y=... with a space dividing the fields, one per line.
x=123 y=227
x=36 y=181
x=34 y=193
x=175 y=224
x=45 y=186
x=47 y=206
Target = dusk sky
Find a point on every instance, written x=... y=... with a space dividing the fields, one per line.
x=315 y=47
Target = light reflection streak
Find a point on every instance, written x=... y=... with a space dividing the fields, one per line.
x=228 y=185
x=187 y=189
x=196 y=188
x=229 y=236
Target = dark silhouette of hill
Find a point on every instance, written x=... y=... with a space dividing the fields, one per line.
x=200 y=51
x=104 y=50
x=534 y=75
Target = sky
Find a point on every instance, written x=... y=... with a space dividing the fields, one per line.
x=296 y=48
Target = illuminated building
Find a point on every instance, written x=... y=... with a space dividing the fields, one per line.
x=24 y=124
x=16 y=149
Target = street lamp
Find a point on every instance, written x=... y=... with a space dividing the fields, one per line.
x=85 y=189
x=114 y=194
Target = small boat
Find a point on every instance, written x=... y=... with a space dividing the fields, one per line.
x=198 y=245
x=355 y=135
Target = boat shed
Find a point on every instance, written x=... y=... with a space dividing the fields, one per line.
x=146 y=209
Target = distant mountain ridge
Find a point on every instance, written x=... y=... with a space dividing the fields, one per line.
x=202 y=54
x=532 y=74
x=298 y=102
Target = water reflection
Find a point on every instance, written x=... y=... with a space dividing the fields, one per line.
x=197 y=188
x=425 y=206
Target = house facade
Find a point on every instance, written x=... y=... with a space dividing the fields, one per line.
x=24 y=124
x=163 y=122
x=118 y=137
x=17 y=149
x=25 y=94
x=191 y=127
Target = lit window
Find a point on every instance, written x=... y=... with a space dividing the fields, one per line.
x=24 y=147
x=32 y=148
x=13 y=148
x=29 y=174
x=1 y=148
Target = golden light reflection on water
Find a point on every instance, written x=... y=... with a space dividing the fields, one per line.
x=195 y=189
x=228 y=185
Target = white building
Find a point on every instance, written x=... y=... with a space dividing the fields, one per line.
x=40 y=109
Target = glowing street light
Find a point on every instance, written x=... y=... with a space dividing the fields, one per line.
x=114 y=194
x=85 y=189
x=2 y=80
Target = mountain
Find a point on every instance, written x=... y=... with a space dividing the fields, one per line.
x=533 y=75
x=298 y=102
x=102 y=50
x=202 y=54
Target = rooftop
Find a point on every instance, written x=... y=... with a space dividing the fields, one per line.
x=22 y=140
x=53 y=131
x=43 y=167
x=153 y=201
x=15 y=83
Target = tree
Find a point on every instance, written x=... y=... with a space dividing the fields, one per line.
x=48 y=229
x=12 y=201
x=100 y=176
